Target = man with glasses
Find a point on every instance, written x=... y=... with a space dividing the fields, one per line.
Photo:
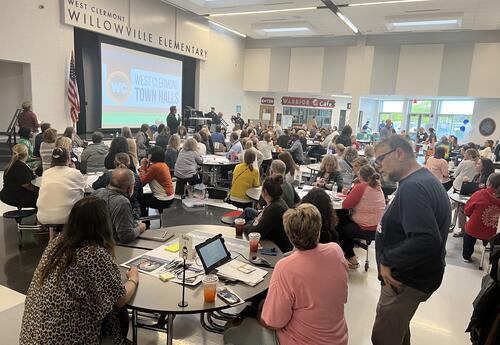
x=410 y=241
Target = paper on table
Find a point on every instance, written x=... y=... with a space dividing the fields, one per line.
x=231 y=270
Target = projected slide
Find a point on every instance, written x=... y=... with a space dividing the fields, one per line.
x=137 y=87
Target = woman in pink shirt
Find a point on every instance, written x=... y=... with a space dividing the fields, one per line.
x=305 y=301
x=367 y=202
x=438 y=166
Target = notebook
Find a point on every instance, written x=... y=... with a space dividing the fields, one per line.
x=159 y=235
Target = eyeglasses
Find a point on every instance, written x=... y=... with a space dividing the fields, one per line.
x=381 y=158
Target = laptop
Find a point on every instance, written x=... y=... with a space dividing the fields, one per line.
x=469 y=188
x=159 y=235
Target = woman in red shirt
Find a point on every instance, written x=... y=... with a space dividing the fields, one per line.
x=367 y=202
x=483 y=210
x=155 y=172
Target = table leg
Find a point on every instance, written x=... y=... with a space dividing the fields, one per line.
x=170 y=329
x=134 y=326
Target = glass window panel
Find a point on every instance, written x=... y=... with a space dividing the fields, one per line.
x=421 y=107
x=457 y=107
x=392 y=106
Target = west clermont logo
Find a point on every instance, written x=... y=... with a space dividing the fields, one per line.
x=118 y=87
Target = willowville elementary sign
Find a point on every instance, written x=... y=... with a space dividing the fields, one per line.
x=93 y=16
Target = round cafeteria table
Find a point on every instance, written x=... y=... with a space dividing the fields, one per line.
x=460 y=200
x=154 y=296
x=213 y=166
x=254 y=193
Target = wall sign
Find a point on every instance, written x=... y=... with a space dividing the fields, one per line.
x=487 y=127
x=308 y=102
x=178 y=31
x=267 y=100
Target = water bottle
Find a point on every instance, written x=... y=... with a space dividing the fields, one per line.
x=334 y=188
x=117 y=134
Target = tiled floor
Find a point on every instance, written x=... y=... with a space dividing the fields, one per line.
x=441 y=320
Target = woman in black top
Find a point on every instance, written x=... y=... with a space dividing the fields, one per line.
x=269 y=221
x=345 y=136
x=18 y=191
x=319 y=198
x=485 y=168
x=118 y=144
x=329 y=173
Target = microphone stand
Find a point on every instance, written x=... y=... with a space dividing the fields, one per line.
x=183 y=303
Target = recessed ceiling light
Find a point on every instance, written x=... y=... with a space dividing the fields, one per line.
x=300 y=29
x=426 y=22
x=385 y=2
x=264 y=11
x=228 y=29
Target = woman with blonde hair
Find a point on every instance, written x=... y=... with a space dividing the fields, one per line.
x=188 y=160
x=172 y=151
x=245 y=176
x=329 y=174
x=18 y=191
x=132 y=146
x=250 y=145
x=65 y=142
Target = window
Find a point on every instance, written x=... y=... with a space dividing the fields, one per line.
x=456 y=108
x=392 y=110
x=419 y=117
x=303 y=115
x=454 y=118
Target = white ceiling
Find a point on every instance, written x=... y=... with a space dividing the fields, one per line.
x=475 y=15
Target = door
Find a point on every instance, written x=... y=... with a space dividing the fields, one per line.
x=266 y=114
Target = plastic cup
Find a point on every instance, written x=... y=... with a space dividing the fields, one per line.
x=253 y=239
x=239 y=224
x=210 y=287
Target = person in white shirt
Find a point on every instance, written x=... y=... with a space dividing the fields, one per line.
x=487 y=152
x=266 y=147
x=466 y=168
x=200 y=147
x=60 y=189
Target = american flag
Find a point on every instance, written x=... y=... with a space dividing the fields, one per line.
x=73 y=96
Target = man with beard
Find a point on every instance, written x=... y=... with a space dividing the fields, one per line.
x=410 y=241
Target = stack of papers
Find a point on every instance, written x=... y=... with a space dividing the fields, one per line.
x=231 y=270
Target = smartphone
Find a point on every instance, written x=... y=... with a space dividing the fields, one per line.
x=228 y=295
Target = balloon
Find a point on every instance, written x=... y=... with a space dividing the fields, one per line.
x=466 y=121
x=462 y=128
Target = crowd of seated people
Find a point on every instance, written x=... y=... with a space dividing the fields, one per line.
x=267 y=156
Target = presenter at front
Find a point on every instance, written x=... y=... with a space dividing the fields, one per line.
x=173 y=120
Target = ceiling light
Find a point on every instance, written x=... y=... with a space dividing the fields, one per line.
x=261 y=12
x=228 y=29
x=348 y=22
x=300 y=29
x=384 y=2
x=427 y=22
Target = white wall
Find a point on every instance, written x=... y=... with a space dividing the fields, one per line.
x=484 y=108
x=220 y=78
x=36 y=36
x=11 y=90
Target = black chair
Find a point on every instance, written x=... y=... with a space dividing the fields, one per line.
x=366 y=246
x=18 y=216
